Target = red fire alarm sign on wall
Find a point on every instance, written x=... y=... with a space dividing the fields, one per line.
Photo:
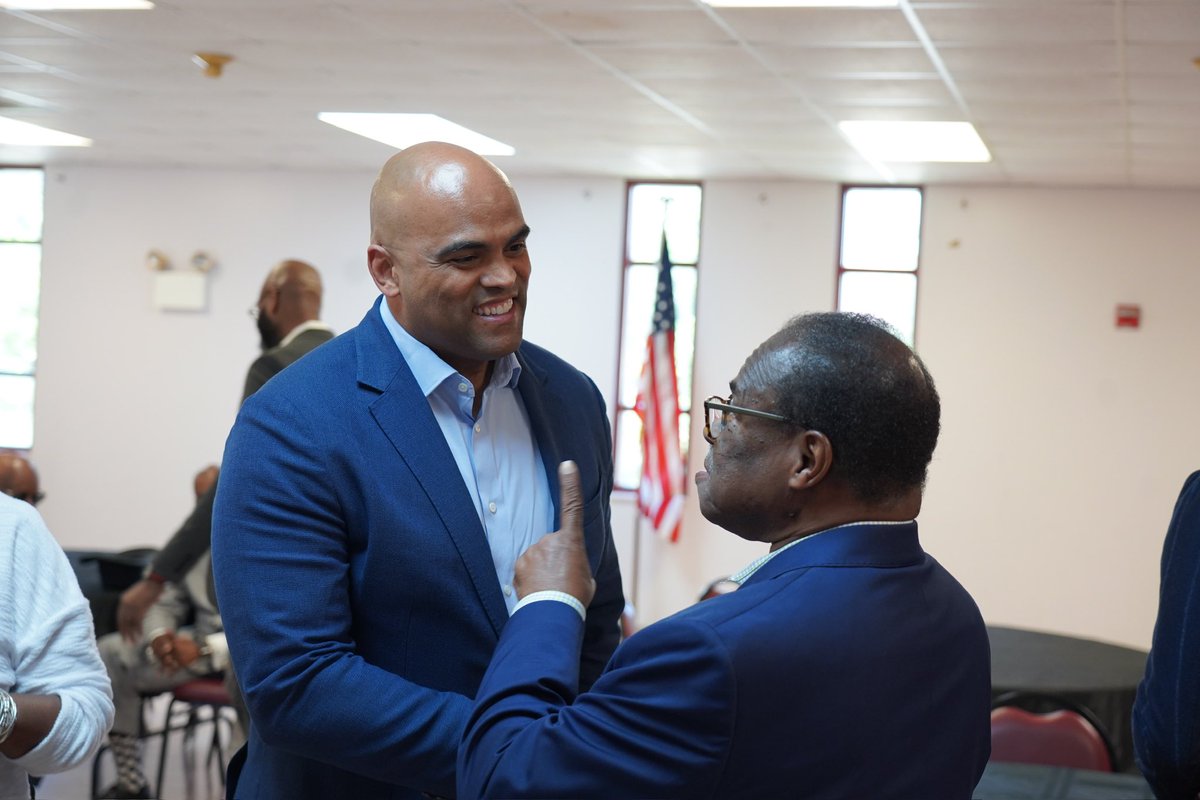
x=1129 y=315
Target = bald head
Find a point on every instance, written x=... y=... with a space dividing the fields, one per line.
x=290 y=296
x=430 y=172
x=18 y=478
x=448 y=254
x=295 y=276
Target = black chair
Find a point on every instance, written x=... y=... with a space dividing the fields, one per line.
x=103 y=575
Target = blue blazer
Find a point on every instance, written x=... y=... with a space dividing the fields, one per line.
x=1166 y=714
x=357 y=588
x=851 y=665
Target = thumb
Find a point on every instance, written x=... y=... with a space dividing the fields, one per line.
x=571 y=500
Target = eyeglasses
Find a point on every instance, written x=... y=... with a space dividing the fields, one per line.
x=32 y=499
x=715 y=409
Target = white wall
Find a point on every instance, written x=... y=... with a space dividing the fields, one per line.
x=131 y=402
x=1064 y=440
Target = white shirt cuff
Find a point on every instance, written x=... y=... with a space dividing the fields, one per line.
x=560 y=597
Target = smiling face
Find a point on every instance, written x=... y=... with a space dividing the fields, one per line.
x=449 y=254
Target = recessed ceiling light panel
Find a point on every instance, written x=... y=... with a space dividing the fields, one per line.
x=16 y=132
x=916 y=141
x=403 y=130
x=803 y=3
x=78 y=5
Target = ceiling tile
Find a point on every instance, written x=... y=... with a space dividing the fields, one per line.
x=602 y=24
x=819 y=26
x=1023 y=60
x=900 y=59
x=1041 y=22
x=697 y=61
x=1166 y=22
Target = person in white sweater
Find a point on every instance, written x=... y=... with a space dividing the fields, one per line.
x=51 y=676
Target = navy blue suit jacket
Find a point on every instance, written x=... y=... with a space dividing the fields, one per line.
x=359 y=595
x=851 y=665
x=1166 y=714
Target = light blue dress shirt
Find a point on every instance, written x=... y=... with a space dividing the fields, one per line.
x=496 y=455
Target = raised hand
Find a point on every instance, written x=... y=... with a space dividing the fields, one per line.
x=135 y=602
x=558 y=561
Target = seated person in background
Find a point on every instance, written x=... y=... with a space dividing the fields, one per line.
x=1166 y=714
x=849 y=663
x=169 y=652
x=55 y=701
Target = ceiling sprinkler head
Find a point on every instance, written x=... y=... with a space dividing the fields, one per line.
x=212 y=63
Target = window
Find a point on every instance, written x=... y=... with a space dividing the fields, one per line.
x=651 y=209
x=879 y=254
x=20 y=276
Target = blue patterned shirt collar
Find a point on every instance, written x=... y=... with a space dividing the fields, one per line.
x=430 y=370
x=754 y=566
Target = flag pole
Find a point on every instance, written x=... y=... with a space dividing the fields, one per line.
x=637 y=554
x=658 y=497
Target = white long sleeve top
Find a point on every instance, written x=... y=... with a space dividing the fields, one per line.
x=47 y=646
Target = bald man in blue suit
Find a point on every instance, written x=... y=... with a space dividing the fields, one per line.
x=849 y=664
x=376 y=494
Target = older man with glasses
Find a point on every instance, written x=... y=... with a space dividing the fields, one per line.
x=19 y=479
x=849 y=663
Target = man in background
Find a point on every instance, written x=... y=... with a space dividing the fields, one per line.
x=177 y=644
x=55 y=701
x=288 y=319
x=375 y=496
x=1166 y=713
x=19 y=479
x=849 y=664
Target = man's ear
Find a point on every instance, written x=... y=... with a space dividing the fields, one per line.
x=814 y=457
x=382 y=269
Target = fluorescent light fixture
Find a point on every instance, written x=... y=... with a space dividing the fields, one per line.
x=916 y=141
x=402 y=130
x=14 y=131
x=803 y=3
x=78 y=5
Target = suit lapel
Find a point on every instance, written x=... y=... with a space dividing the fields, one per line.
x=542 y=406
x=403 y=414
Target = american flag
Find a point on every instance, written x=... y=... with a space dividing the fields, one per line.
x=660 y=494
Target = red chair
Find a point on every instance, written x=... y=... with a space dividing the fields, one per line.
x=1069 y=737
x=719 y=587
x=184 y=712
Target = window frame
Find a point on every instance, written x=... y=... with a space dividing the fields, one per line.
x=621 y=411
x=39 y=243
x=840 y=269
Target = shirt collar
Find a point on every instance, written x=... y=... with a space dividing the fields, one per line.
x=311 y=325
x=754 y=566
x=430 y=370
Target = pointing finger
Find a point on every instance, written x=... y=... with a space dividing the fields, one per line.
x=571 y=497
